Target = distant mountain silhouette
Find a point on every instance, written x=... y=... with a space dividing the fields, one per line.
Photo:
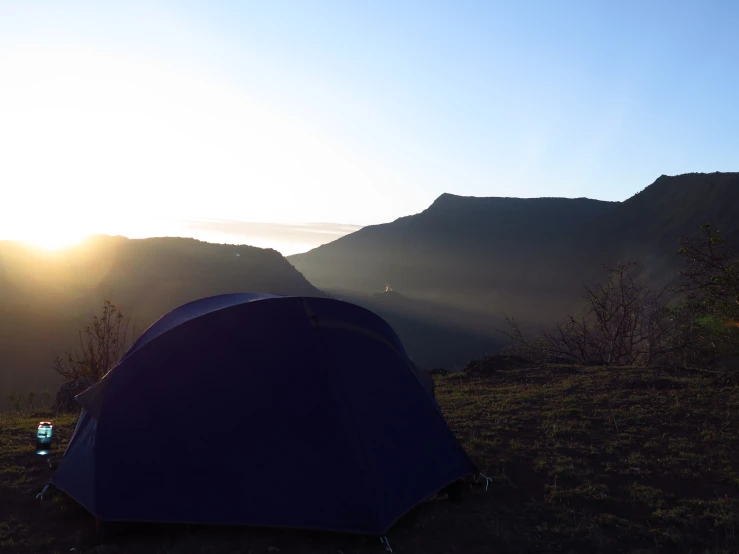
x=524 y=257
x=45 y=297
x=646 y=227
x=448 y=273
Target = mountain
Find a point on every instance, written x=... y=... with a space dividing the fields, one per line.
x=434 y=335
x=449 y=273
x=524 y=257
x=478 y=254
x=45 y=297
x=647 y=226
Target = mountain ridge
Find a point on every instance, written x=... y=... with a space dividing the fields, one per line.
x=455 y=269
x=526 y=257
x=45 y=297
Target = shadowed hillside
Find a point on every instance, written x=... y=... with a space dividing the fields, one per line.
x=455 y=268
x=434 y=335
x=527 y=257
x=45 y=297
x=460 y=251
x=646 y=226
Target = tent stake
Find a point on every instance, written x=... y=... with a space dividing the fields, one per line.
x=487 y=480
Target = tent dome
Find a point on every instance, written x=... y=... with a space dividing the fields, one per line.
x=261 y=410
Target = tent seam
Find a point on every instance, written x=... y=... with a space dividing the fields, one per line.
x=329 y=360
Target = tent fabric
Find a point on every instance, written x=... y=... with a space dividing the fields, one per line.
x=262 y=410
x=91 y=398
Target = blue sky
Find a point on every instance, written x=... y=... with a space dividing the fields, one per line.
x=286 y=113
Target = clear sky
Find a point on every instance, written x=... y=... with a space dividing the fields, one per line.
x=286 y=124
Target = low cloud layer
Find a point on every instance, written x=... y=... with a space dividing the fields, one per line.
x=287 y=238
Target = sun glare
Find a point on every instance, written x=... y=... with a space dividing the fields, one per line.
x=47 y=233
x=102 y=134
x=55 y=241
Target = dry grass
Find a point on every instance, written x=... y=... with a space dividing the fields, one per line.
x=595 y=459
x=580 y=460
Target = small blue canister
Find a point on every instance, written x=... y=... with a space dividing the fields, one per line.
x=43 y=438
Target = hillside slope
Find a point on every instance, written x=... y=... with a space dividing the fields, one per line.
x=526 y=257
x=45 y=297
x=434 y=335
x=646 y=227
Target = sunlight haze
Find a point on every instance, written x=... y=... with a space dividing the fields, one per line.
x=250 y=122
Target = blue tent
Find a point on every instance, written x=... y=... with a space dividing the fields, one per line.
x=261 y=410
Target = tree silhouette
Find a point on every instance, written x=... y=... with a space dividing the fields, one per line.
x=101 y=345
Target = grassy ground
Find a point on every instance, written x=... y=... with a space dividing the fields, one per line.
x=580 y=460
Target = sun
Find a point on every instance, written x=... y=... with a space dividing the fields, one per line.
x=57 y=239
x=50 y=227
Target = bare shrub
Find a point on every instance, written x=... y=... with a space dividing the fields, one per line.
x=709 y=290
x=101 y=346
x=624 y=322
